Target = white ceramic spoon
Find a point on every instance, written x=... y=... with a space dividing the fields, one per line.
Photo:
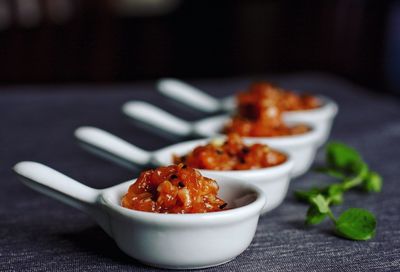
x=176 y=241
x=273 y=181
x=302 y=148
x=195 y=98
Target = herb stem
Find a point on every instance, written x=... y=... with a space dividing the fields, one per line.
x=331 y=216
x=357 y=180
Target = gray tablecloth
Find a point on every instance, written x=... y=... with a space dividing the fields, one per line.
x=40 y=234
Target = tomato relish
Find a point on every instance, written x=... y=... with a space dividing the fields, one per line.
x=264 y=94
x=262 y=128
x=232 y=154
x=173 y=189
x=260 y=111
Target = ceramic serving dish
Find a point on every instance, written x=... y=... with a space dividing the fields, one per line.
x=273 y=181
x=175 y=241
x=301 y=148
x=195 y=98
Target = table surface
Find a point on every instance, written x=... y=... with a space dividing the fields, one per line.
x=39 y=234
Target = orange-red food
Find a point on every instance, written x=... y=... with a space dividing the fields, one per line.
x=232 y=154
x=173 y=189
x=264 y=94
x=262 y=127
x=260 y=111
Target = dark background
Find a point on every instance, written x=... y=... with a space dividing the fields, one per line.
x=97 y=43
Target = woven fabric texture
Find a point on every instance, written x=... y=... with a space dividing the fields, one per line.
x=40 y=234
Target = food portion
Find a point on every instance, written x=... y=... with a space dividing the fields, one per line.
x=231 y=154
x=173 y=189
x=263 y=94
x=260 y=109
x=262 y=127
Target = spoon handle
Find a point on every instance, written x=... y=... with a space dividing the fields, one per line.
x=157 y=117
x=112 y=147
x=54 y=184
x=188 y=95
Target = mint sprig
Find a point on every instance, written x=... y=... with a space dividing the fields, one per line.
x=346 y=165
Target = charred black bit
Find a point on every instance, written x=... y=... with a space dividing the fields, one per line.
x=219 y=152
x=223 y=206
x=242 y=160
x=181 y=184
x=183 y=158
x=173 y=176
x=250 y=111
x=245 y=150
x=184 y=166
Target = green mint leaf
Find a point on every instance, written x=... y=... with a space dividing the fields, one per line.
x=307 y=195
x=356 y=224
x=335 y=194
x=373 y=182
x=314 y=217
x=320 y=203
x=341 y=156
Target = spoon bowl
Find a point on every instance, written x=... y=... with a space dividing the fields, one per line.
x=174 y=241
x=302 y=148
x=273 y=181
x=200 y=100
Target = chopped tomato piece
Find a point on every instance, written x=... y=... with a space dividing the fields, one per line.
x=173 y=189
x=232 y=154
x=260 y=111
